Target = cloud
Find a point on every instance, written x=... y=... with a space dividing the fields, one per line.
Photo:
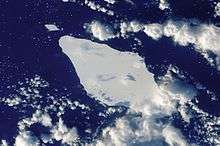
x=154 y=31
x=100 y=31
x=61 y=133
x=173 y=136
x=37 y=117
x=110 y=1
x=217 y=9
x=26 y=139
x=204 y=37
x=164 y=5
x=94 y=6
x=3 y=143
x=133 y=26
x=58 y=131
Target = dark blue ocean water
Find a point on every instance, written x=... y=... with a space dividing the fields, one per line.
x=27 y=49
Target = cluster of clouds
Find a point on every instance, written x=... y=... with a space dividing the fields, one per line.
x=204 y=37
x=217 y=9
x=94 y=5
x=100 y=31
x=121 y=78
x=164 y=5
x=110 y=1
x=29 y=93
x=58 y=131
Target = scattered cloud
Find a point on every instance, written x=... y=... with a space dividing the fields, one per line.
x=217 y=9
x=100 y=31
x=204 y=37
x=164 y=5
x=61 y=133
x=26 y=139
x=110 y=1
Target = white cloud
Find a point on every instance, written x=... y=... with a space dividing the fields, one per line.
x=110 y=1
x=180 y=32
x=40 y=117
x=61 y=133
x=208 y=38
x=37 y=117
x=154 y=30
x=94 y=6
x=26 y=139
x=3 y=143
x=12 y=101
x=133 y=26
x=217 y=9
x=204 y=37
x=173 y=136
x=164 y=5
x=58 y=131
x=100 y=31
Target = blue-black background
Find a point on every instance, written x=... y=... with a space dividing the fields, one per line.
x=27 y=48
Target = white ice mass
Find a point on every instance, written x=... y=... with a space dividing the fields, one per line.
x=115 y=77
x=51 y=27
x=108 y=74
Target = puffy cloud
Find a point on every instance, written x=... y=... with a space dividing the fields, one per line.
x=100 y=31
x=173 y=136
x=204 y=37
x=181 y=33
x=37 y=117
x=133 y=26
x=61 y=133
x=58 y=131
x=26 y=139
x=208 y=38
x=164 y=5
x=154 y=30
x=217 y=9
x=110 y=1
x=40 y=117
x=3 y=143
x=94 y=6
